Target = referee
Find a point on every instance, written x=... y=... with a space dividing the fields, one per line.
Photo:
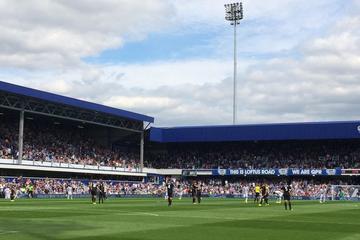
x=257 y=194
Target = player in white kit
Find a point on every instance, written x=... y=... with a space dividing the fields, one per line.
x=7 y=193
x=181 y=190
x=278 y=195
x=69 y=191
x=165 y=190
x=246 y=193
x=322 y=194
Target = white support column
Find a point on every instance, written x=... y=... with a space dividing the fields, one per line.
x=142 y=150
x=21 y=136
x=235 y=72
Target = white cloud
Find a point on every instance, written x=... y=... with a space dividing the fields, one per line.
x=319 y=82
x=274 y=26
x=153 y=103
x=55 y=33
x=170 y=73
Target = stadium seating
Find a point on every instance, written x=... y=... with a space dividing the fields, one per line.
x=53 y=144
x=287 y=154
x=50 y=143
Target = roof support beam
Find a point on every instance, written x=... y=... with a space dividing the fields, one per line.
x=36 y=106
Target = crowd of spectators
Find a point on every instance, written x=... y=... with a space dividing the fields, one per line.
x=300 y=188
x=301 y=154
x=47 y=143
x=60 y=144
x=8 y=140
x=59 y=186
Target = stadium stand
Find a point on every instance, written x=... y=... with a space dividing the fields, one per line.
x=62 y=144
x=250 y=155
x=47 y=135
x=44 y=127
x=66 y=144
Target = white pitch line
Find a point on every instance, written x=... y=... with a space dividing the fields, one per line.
x=7 y=232
x=151 y=214
x=138 y=213
x=207 y=217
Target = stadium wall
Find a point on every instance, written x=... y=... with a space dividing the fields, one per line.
x=260 y=132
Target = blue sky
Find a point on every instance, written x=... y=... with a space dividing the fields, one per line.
x=158 y=47
x=297 y=60
x=265 y=37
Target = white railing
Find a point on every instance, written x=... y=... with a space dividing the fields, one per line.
x=170 y=172
x=66 y=167
x=69 y=165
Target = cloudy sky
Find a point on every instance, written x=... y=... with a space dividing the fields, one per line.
x=297 y=60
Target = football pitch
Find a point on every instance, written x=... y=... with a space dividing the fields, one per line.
x=151 y=219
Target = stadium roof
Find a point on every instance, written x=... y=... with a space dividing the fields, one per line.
x=55 y=98
x=259 y=132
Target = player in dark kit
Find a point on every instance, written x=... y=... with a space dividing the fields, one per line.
x=193 y=192
x=93 y=193
x=12 y=193
x=264 y=194
x=101 y=190
x=170 y=192
x=287 y=190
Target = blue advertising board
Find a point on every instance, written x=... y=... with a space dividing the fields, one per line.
x=276 y=172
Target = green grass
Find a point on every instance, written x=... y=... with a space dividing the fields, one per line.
x=151 y=219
